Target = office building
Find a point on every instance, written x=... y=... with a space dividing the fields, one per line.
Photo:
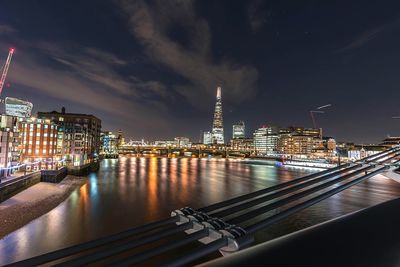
x=80 y=135
x=9 y=140
x=182 y=142
x=207 y=138
x=108 y=143
x=265 y=140
x=38 y=141
x=242 y=144
x=238 y=130
x=299 y=140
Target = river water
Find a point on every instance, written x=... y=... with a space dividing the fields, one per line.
x=130 y=191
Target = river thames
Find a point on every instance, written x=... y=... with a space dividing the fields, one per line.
x=130 y=191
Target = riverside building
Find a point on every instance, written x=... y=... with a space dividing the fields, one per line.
x=80 y=133
x=38 y=142
x=265 y=140
x=298 y=140
x=9 y=139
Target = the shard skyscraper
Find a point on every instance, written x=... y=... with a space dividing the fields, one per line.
x=218 y=127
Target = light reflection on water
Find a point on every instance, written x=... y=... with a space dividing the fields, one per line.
x=131 y=191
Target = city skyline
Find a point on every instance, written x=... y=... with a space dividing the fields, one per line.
x=153 y=73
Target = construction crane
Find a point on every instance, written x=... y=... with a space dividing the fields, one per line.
x=317 y=111
x=5 y=68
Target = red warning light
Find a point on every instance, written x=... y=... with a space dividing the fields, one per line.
x=12 y=50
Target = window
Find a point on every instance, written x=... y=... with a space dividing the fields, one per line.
x=46 y=126
x=37 y=133
x=61 y=119
x=36 y=151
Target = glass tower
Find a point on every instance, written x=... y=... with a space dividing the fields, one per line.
x=218 y=128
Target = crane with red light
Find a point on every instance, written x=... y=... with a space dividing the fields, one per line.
x=5 y=68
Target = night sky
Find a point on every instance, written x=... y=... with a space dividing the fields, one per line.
x=151 y=68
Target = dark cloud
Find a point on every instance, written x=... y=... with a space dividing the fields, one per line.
x=192 y=61
x=4 y=29
x=258 y=15
x=89 y=79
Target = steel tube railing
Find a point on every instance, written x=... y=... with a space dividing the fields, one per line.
x=282 y=215
x=395 y=156
x=381 y=157
x=197 y=253
x=254 y=202
x=160 y=249
x=65 y=252
x=268 y=189
x=380 y=154
x=107 y=252
x=251 y=214
x=218 y=244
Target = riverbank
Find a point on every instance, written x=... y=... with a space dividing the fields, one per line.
x=35 y=201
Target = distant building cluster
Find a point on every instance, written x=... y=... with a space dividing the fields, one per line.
x=277 y=141
x=274 y=141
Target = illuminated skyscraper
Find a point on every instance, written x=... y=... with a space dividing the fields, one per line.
x=238 y=130
x=265 y=140
x=218 y=128
x=207 y=138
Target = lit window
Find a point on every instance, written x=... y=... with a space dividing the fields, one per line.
x=37 y=142
x=30 y=142
x=29 y=151
x=44 y=151
x=31 y=134
x=61 y=119
x=45 y=134
x=36 y=151
x=46 y=126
